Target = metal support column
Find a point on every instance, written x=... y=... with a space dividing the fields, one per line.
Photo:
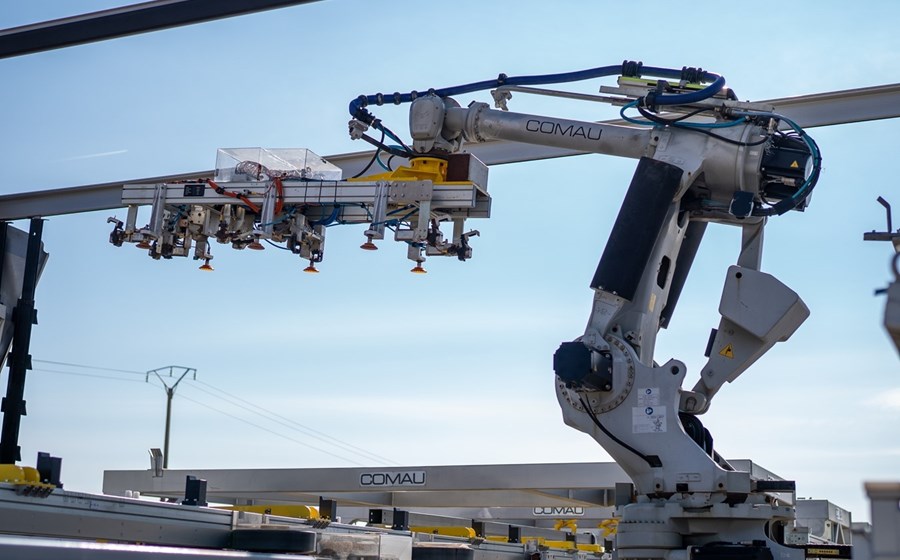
x=24 y=316
x=3 y=228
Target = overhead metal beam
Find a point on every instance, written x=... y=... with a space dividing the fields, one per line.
x=126 y=20
x=74 y=200
x=809 y=111
x=841 y=107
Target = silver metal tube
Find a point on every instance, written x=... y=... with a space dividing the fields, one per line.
x=479 y=123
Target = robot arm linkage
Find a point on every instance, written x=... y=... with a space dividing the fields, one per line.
x=608 y=383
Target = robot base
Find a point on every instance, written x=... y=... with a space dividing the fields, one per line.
x=666 y=530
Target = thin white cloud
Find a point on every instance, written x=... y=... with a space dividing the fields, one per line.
x=888 y=399
x=91 y=156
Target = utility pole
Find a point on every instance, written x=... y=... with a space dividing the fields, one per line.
x=170 y=393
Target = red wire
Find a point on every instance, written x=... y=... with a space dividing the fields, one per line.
x=238 y=196
x=279 y=190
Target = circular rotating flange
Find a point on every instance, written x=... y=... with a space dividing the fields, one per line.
x=623 y=381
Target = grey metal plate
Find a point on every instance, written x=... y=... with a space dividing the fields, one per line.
x=37 y=548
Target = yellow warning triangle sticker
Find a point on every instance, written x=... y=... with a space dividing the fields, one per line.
x=795 y=165
x=728 y=351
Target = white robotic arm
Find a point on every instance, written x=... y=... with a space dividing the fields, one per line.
x=684 y=180
x=737 y=170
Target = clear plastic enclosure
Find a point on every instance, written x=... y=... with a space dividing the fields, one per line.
x=264 y=164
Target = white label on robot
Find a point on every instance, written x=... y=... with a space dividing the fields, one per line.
x=648 y=419
x=397 y=478
x=648 y=396
x=688 y=477
x=558 y=511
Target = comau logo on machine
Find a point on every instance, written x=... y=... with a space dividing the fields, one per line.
x=559 y=511
x=551 y=127
x=399 y=478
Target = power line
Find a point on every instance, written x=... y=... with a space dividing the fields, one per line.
x=231 y=398
x=244 y=420
x=90 y=367
x=293 y=424
x=87 y=375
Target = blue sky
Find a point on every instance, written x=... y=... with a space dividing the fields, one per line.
x=453 y=367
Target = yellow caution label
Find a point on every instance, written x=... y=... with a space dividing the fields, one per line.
x=826 y=551
x=728 y=351
x=795 y=165
x=821 y=551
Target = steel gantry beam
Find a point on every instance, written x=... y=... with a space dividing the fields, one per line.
x=809 y=111
x=462 y=486
x=126 y=20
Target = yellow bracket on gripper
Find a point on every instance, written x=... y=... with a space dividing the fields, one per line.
x=420 y=169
